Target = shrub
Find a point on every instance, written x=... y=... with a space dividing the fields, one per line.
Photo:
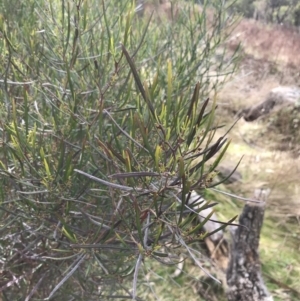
x=106 y=128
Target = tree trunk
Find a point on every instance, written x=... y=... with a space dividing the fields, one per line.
x=244 y=277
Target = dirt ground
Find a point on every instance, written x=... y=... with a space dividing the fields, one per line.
x=264 y=162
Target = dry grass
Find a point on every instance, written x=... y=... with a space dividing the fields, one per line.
x=270 y=43
x=263 y=161
x=270 y=57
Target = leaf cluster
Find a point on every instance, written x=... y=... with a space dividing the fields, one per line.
x=106 y=129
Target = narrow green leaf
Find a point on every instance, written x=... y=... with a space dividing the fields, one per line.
x=68 y=233
x=127 y=272
x=143 y=130
x=138 y=222
x=229 y=223
x=26 y=112
x=216 y=147
x=68 y=168
x=157 y=156
x=127 y=27
x=107 y=27
x=68 y=28
x=200 y=225
x=47 y=168
x=138 y=82
x=70 y=84
x=228 y=177
x=194 y=102
x=143 y=36
x=187 y=221
x=160 y=254
x=200 y=116
x=169 y=89
x=219 y=158
x=159 y=233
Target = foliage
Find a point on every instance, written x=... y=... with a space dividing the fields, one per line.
x=106 y=128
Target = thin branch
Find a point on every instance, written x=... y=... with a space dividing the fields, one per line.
x=72 y=269
x=125 y=133
x=122 y=187
x=135 y=275
x=235 y=196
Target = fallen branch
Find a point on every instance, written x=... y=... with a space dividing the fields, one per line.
x=278 y=97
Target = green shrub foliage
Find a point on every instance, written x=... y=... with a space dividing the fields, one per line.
x=106 y=128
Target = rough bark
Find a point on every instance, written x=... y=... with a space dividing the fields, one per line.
x=244 y=277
